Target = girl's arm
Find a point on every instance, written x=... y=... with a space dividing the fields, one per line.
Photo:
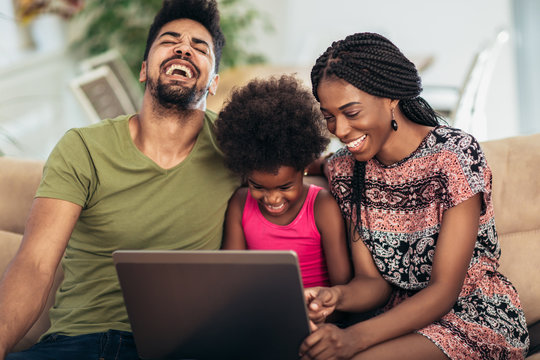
x=332 y=229
x=233 y=237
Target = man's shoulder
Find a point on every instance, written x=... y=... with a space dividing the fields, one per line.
x=106 y=133
x=102 y=130
x=106 y=124
x=210 y=116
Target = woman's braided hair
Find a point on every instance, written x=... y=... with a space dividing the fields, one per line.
x=373 y=64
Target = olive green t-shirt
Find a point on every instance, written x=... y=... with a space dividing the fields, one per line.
x=128 y=202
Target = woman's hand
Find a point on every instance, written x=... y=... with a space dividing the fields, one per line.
x=321 y=302
x=329 y=342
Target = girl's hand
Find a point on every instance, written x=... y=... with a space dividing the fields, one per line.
x=321 y=302
x=328 y=342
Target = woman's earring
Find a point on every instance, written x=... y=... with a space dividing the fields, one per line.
x=393 y=123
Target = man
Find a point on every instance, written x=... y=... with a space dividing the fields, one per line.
x=153 y=180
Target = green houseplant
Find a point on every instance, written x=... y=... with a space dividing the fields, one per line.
x=123 y=25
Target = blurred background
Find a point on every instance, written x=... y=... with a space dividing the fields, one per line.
x=69 y=63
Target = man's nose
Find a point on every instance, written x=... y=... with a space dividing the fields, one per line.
x=183 y=49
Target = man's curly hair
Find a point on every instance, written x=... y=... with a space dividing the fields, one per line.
x=270 y=123
x=204 y=12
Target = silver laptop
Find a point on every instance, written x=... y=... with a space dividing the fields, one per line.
x=214 y=304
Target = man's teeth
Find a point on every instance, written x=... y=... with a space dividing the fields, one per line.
x=356 y=142
x=184 y=69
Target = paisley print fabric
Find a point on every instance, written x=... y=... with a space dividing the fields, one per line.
x=401 y=213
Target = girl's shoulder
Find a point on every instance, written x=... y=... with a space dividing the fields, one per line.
x=323 y=200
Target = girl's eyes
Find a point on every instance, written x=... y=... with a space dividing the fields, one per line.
x=258 y=187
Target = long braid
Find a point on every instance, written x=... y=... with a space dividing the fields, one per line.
x=418 y=108
x=357 y=193
x=375 y=65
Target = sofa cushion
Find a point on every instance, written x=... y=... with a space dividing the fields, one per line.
x=520 y=262
x=516 y=194
x=19 y=180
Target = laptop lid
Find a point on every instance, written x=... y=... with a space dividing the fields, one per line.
x=214 y=304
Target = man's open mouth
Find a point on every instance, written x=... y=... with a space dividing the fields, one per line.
x=178 y=69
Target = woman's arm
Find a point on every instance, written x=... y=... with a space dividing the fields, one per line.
x=233 y=237
x=332 y=229
x=453 y=253
x=455 y=245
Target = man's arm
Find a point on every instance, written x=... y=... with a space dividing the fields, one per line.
x=28 y=279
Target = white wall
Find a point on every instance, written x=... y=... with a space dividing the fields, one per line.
x=452 y=32
x=527 y=24
x=37 y=106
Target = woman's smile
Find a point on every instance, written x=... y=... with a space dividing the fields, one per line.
x=356 y=145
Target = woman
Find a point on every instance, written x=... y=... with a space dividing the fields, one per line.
x=416 y=196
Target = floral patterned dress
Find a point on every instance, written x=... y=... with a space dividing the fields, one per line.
x=401 y=213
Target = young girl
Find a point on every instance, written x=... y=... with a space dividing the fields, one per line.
x=270 y=131
x=416 y=196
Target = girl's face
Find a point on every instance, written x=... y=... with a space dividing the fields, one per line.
x=360 y=120
x=278 y=194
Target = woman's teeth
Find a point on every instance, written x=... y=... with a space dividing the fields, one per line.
x=355 y=143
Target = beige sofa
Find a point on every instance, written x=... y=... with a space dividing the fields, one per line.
x=516 y=195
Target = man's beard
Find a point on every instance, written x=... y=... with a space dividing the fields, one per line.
x=175 y=97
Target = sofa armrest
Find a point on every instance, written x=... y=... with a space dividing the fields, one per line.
x=19 y=180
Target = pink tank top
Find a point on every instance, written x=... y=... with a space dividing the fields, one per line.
x=301 y=235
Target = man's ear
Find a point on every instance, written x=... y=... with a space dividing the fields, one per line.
x=213 y=85
x=142 y=73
